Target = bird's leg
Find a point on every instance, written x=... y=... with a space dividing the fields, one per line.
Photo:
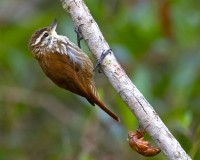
x=79 y=35
x=100 y=60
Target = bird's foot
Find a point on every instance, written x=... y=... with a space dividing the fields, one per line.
x=100 y=60
x=79 y=35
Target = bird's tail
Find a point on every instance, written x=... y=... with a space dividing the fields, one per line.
x=104 y=108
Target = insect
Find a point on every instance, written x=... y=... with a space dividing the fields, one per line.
x=137 y=143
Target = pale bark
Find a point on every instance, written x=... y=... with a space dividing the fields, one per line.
x=139 y=106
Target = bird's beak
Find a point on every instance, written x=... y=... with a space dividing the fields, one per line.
x=53 y=25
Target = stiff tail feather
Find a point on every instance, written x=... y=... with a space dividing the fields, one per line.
x=104 y=108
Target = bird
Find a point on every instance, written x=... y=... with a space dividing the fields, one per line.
x=66 y=64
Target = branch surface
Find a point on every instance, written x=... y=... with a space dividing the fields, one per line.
x=123 y=85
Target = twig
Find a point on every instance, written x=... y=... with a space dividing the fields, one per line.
x=123 y=85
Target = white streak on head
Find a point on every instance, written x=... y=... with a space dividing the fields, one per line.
x=38 y=39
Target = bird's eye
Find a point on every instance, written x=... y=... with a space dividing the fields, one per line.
x=46 y=34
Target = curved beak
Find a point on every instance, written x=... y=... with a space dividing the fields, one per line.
x=54 y=25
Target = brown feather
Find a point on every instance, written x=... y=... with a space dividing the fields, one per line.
x=66 y=65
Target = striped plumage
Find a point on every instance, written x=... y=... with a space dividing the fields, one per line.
x=65 y=64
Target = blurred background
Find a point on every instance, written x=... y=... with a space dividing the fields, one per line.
x=157 y=44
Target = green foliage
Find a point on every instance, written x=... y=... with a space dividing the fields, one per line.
x=156 y=42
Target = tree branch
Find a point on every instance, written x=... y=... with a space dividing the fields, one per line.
x=120 y=81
